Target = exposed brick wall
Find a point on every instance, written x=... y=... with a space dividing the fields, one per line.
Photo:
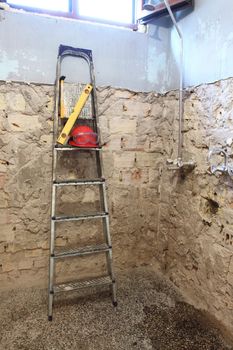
x=132 y=154
x=196 y=221
x=180 y=222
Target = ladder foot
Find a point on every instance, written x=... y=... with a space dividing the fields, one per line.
x=114 y=303
x=50 y=318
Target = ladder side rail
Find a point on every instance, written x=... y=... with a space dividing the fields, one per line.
x=53 y=194
x=56 y=109
x=106 y=230
x=102 y=189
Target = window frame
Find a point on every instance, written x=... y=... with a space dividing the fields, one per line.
x=161 y=10
x=73 y=14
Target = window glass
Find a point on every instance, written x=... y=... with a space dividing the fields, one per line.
x=116 y=11
x=110 y=10
x=51 y=5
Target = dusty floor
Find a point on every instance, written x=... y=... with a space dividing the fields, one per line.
x=150 y=315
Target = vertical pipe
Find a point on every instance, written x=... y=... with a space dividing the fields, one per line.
x=181 y=107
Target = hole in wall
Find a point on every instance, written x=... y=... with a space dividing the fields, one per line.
x=213 y=205
x=221 y=229
x=123 y=142
x=182 y=175
x=16 y=125
x=227 y=238
x=206 y=223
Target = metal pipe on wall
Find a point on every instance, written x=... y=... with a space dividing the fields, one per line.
x=181 y=107
x=177 y=163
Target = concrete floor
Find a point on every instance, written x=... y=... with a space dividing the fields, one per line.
x=150 y=315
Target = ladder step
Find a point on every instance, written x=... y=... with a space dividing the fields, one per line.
x=82 y=251
x=67 y=287
x=86 y=119
x=79 y=182
x=79 y=217
x=83 y=118
x=70 y=148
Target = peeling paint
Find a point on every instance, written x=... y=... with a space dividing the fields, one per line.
x=8 y=66
x=33 y=42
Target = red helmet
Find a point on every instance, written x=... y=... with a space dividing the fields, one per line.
x=83 y=136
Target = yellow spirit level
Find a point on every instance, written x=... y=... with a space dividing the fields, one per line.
x=63 y=138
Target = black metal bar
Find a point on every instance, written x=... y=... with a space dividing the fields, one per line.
x=74 y=51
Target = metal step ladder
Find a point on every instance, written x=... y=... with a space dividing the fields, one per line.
x=104 y=247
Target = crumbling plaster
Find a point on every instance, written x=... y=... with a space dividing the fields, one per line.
x=196 y=227
x=179 y=222
x=131 y=158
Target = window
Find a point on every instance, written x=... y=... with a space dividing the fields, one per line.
x=121 y=12
x=111 y=10
x=51 y=5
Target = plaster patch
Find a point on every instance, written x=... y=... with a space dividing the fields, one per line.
x=7 y=66
x=156 y=59
x=226 y=53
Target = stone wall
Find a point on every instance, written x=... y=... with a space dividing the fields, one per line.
x=25 y=172
x=131 y=127
x=196 y=223
x=179 y=221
